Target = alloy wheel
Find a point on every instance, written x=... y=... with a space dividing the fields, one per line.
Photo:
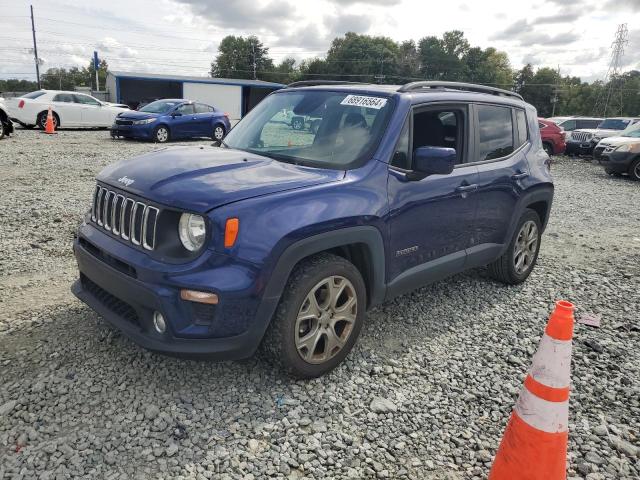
x=218 y=133
x=162 y=135
x=326 y=319
x=636 y=170
x=526 y=247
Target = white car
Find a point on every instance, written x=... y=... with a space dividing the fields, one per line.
x=70 y=109
x=629 y=135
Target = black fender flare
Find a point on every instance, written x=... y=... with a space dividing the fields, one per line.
x=368 y=236
x=543 y=193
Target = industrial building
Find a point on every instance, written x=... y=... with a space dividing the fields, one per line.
x=234 y=96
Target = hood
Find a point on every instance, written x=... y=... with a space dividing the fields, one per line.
x=135 y=115
x=201 y=178
x=617 y=141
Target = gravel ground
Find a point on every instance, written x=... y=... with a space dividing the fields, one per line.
x=425 y=394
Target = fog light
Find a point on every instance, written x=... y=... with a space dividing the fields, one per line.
x=159 y=323
x=199 y=297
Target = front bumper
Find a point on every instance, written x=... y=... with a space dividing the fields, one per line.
x=127 y=298
x=618 y=162
x=132 y=131
x=579 y=148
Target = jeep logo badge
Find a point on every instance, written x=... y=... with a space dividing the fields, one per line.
x=126 y=181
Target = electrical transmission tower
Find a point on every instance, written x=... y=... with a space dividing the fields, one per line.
x=612 y=77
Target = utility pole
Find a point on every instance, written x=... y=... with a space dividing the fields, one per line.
x=253 y=53
x=554 y=99
x=35 y=48
x=380 y=77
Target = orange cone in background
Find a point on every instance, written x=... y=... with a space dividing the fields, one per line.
x=534 y=445
x=48 y=127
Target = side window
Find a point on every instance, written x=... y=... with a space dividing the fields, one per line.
x=541 y=125
x=201 y=108
x=439 y=128
x=523 y=131
x=495 y=128
x=63 y=97
x=86 y=100
x=569 y=125
x=401 y=157
x=186 y=109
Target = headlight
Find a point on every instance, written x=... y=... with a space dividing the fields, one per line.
x=596 y=139
x=623 y=148
x=193 y=231
x=146 y=121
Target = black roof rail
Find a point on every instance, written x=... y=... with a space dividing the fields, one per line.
x=311 y=83
x=470 y=87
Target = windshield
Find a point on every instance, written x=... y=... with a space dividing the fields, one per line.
x=614 y=124
x=315 y=128
x=159 y=106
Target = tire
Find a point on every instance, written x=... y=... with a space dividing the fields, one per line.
x=547 y=148
x=634 y=169
x=508 y=269
x=161 y=134
x=218 y=133
x=42 y=120
x=1 y=129
x=313 y=278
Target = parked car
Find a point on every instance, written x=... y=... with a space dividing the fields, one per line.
x=284 y=239
x=569 y=124
x=583 y=141
x=629 y=135
x=6 y=126
x=70 y=109
x=623 y=158
x=170 y=119
x=553 y=137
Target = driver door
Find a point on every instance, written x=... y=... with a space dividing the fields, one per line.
x=431 y=219
x=183 y=125
x=91 y=112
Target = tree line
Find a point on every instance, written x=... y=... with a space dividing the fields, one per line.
x=377 y=59
x=364 y=58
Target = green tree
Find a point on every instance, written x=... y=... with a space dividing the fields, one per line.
x=240 y=57
x=15 y=85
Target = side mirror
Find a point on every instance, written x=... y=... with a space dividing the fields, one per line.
x=434 y=160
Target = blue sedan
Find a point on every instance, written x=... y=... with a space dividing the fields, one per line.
x=170 y=119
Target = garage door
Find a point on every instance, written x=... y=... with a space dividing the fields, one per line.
x=227 y=98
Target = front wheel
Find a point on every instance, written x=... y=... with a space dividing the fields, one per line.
x=1 y=129
x=161 y=134
x=515 y=265
x=634 y=169
x=547 y=148
x=319 y=316
x=218 y=133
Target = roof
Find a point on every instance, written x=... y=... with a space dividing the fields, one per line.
x=188 y=79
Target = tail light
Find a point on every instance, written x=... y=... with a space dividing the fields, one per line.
x=21 y=104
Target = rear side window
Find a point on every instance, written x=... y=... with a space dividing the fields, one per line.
x=186 y=109
x=33 y=95
x=63 y=97
x=569 y=125
x=588 y=123
x=201 y=108
x=523 y=131
x=495 y=127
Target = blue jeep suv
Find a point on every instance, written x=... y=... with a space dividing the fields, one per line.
x=283 y=238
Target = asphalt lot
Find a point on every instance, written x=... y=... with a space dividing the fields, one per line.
x=425 y=394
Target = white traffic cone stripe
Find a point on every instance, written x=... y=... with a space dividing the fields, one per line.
x=551 y=364
x=550 y=417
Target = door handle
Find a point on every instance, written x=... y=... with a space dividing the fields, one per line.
x=519 y=176
x=466 y=188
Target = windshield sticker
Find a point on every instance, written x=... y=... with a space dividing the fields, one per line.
x=367 y=102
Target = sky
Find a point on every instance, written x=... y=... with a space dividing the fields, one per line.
x=181 y=36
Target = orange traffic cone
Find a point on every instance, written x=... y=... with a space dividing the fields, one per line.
x=534 y=445
x=48 y=127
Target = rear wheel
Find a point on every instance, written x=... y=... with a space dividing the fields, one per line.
x=218 y=132
x=1 y=129
x=547 y=148
x=161 y=134
x=319 y=317
x=515 y=265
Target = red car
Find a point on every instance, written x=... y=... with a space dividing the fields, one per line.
x=553 y=137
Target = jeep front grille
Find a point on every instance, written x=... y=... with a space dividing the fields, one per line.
x=125 y=217
x=581 y=136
